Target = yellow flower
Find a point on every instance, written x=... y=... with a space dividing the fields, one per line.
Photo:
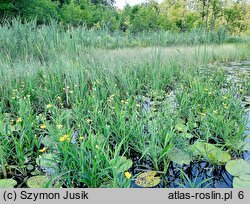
x=59 y=98
x=19 y=120
x=122 y=101
x=88 y=120
x=43 y=126
x=203 y=114
x=138 y=105
x=49 y=106
x=225 y=106
x=97 y=147
x=225 y=97
x=59 y=126
x=42 y=150
x=127 y=175
x=81 y=138
x=64 y=138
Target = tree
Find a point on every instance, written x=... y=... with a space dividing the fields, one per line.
x=6 y=8
x=42 y=10
x=235 y=17
x=71 y=13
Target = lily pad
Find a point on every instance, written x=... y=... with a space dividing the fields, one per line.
x=246 y=146
x=122 y=164
x=7 y=183
x=210 y=152
x=186 y=135
x=201 y=148
x=147 y=179
x=247 y=139
x=242 y=146
x=238 y=183
x=245 y=177
x=238 y=167
x=47 y=141
x=179 y=156
x=48 y=162
x=181 y=127
x=218 y=155
x=37 y=181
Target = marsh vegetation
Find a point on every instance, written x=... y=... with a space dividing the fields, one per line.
x=74 y=113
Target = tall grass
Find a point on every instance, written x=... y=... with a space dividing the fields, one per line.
x=28 y=39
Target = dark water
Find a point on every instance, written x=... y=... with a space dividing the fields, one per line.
x=201 y=174
x=236 y=71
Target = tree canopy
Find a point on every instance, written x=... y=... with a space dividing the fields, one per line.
x=174 y=15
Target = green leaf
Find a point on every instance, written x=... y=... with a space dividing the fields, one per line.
x=37 y=181
x=217 y=155
x=179 y=156
x=47 y=141
x=242 y=146
x=30 y=167
x=181 y=127
x=201 y=148
x=147 y=179
x=238 y=167
x=246 y=146
x=47 y=160
x=245 y=177
x=122 y=164
x=186 y=135
x=48 y=163
x=238 y=183
x=7 y=183
x=210 y=152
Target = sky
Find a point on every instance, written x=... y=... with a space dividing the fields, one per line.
x=121 y=3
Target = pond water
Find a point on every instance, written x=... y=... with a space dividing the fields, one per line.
x=200 y=173
x=237 y=70
x=218 y=177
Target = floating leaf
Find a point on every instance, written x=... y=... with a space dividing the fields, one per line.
x=181 y=127
x=192 y=125
x=186 y=135
x=246 y=146
x=218 y=155
x=247 y=139
x=30 y=167
x=147 y=179
x=242 y=146
x=210 y=152
x=245 y=177
x=238 y=167
x=47 y=141
x=179 y=156
x=201 y=148
x=48 y=162
x=238 y=183
x=37 y=181
x=122 y=164
x=7 y=183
